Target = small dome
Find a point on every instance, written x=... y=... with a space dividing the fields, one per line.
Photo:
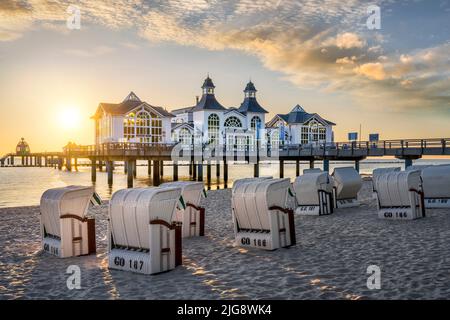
x=208 y=83
x=250 y=87
x=22 y=147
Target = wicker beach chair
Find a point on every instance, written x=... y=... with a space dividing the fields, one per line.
x=191 y=215
x=65 y=229
x=143 y=237
x=314 y=194
x=260 y=216
x=400 y=195
x=347 y=183
x=436 y=186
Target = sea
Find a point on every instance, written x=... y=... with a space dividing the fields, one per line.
x=23 y=186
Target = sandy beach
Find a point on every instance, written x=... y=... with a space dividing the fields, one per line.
x=329 y=261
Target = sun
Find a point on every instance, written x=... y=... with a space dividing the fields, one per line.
x=69 y=118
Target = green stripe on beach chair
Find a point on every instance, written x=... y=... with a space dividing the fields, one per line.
x=96 y=200
x=181 y=201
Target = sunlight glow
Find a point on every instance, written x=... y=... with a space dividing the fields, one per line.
x=69 y=118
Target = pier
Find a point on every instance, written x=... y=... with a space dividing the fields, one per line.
x=160 y=155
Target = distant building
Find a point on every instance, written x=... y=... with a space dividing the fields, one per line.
x=22 y=148
x=299 y=127
x=132 y=120
x=208 y=122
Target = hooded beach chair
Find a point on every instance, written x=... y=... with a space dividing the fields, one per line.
x=400 y=195
x=260 y=216
x=191 y=214
x=65 y=229
x=143 y=237
x=347 y=183
x=436 y=186
x=314 y=193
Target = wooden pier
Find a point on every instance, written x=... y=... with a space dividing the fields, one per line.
x=220 y=156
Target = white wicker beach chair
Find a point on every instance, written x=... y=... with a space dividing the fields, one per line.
x=65 y=229
x=436 y=186
x=314 y=193
x=400 y=195
x=260 y=217
x=347 y=183
x=142 y=235
x=192 y=215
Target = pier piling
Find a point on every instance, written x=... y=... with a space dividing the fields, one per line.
x=110 y=171
x=93 y=170
x=281 y=169
x=129 y=165
x=326 y=165
x=156 y=173
x=175 y=171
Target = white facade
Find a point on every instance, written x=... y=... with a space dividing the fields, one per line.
x=209 y=123
x=132 y=121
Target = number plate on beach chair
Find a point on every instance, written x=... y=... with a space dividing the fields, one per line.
x=255 y=239
x=396 y=214
x=437 y=203
x=52 y=246
x=347 y=203
x=129 y=261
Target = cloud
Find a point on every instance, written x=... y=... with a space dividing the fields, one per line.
x=94 y=52
x=372 y=70
x=323 y=45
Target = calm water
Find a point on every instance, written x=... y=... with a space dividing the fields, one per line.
x=24 y=186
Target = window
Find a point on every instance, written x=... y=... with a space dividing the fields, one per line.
x=275 y=138
x=185 y=137
x=255 y=123
x=213 y=129
x=304 y=138
x=143 y=127
x=233 y=122
x=314 y=132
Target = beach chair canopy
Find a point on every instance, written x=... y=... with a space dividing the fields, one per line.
x=190 y=190
x=436 y=181
x=378 y=172
x=307 y=187
x=238 y=182
x=131 y=210
x=393 y=187
x=252 y=201
x=57 y=202
x=347 y=182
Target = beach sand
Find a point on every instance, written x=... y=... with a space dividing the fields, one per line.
x=329 y=261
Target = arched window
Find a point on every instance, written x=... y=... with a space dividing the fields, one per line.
x=213 y=128
x=143 y=127
x=313 y=132
x=185 y=137
x=233 y=122
x=255 y=123
x=156 y=128
x=275 y=138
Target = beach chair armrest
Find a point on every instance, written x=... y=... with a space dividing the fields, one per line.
x=73 y=216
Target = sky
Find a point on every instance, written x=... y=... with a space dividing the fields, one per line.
x=393 y=80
